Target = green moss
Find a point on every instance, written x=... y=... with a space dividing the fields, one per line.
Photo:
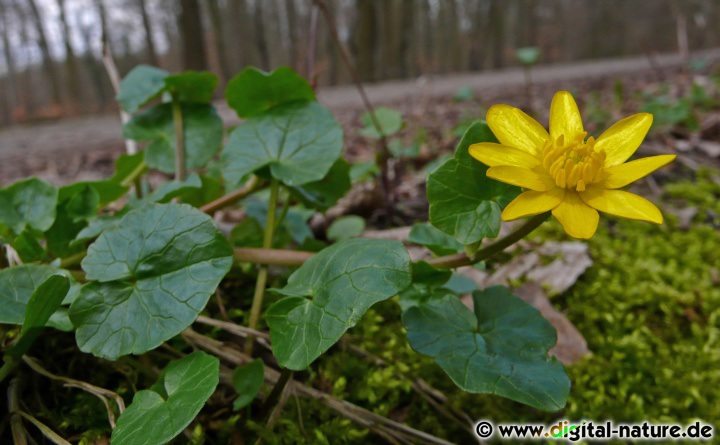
x=648 y=308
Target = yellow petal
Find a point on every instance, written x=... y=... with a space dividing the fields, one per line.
x=621 y=203
x=533 y=203
x=522 y=177
x=515 y=128
x=565 y=117
x=495 y=154
x=577 y=218
x=623 y=174
x=622 y=139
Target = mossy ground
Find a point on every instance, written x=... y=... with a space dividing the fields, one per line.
x=649 y=309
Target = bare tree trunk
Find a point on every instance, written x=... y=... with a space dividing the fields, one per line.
x=92 y=65
x=497 y=19
x=260 y=39
x=13 y=98
x=47 y=61
x=294 y=24
x=391 y=45
x=147 y=26
x=365 y=40
x=240 y=31
x=190 y=24
x=71 y=63
x=219 y=38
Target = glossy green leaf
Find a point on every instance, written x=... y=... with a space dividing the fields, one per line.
x=139 y=86
x=329 y=293
x=28 y=247
x=157 y=415
x=17 y=285
x=107 y=191
x=323 y=194
x=500 y=349
x=346 y=227
x=202 y=127
x=40 y=307
x=254 y=91
x=192 y=86
x=390 y=123
x=155 y=271
x=128 y=166
x=294 y=223
x=247 y=381
x=463 y=201
x=167 y=191
x=426 y=285
x=460 y=284
x=437 y=241
x=299 y=141
x=28 y=203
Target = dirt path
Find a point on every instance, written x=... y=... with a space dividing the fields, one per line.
x=86 y=146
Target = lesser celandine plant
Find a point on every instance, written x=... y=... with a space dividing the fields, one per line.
x=129 y=273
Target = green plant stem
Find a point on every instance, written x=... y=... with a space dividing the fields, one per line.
x=72 y=260
x=296 y=258
x=272 y=399
x=8 y=367
x=16 y=426
x=283 y=213
x=262 y=273
x=461 y=259
x=251 y=186
x=179 y=140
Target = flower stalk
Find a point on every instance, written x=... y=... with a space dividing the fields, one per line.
x=263 y=272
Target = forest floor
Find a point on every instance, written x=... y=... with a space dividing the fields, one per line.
x=84 y=148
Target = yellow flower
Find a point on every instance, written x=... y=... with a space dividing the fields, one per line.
x=566 y=172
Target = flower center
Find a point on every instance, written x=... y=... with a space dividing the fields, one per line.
x=573 y=164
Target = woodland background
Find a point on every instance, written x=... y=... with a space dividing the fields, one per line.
x=51 y=58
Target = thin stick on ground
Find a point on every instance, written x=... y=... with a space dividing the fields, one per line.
x=392 y=431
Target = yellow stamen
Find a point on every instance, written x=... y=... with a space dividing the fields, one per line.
x=573 y=162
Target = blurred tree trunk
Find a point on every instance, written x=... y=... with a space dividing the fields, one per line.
x=364 y=41
x=13 y=98
x=92 y=65
x=526 y=23
x=407 y=38
x=391 y=44
x=47 y=61
x=240 y=32
x=260 y=38
x=149 y=41
x=497 y=22
x=219 y=38
x=293 y=23
x=193 y=38
x=71 y=62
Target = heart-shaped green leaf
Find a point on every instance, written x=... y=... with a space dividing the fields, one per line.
x=439 y=243
x=140 y=85
x=42 y=305
x=329 y=293
x=463 y=201
x=254 y=91
x=501 y=349
x=157 y=415
x=247 y=381
x=18 y=284
x=28 y=203
x=299 y=141
x=202 y=127
x=192 y=86
x=390 y=123
x=155 y=271
x=323 y=194
x=346 y=227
